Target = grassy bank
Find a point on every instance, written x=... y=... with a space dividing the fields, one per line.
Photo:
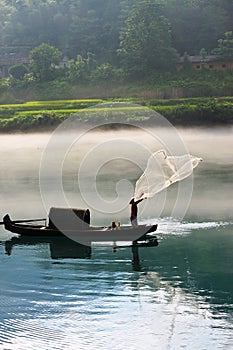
x=180 y=84
x=39 y=115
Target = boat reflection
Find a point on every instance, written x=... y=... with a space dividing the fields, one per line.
x=63 y=247
x=60 y=247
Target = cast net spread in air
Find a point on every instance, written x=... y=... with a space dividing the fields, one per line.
x=162 y=171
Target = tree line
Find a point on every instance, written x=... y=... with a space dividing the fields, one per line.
x=111 y=38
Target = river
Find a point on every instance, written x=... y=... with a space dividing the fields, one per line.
x=179 y=295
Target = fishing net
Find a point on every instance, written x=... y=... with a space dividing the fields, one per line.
x=162 y=171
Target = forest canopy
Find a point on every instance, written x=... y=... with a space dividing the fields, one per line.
x=136 y=35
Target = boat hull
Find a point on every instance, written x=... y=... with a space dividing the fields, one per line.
x=84 y=236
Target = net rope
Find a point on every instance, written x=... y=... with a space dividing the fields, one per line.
x=162 y=171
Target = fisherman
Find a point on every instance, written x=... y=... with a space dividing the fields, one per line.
x=134 y=210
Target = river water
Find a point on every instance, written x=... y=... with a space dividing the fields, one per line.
x=179 y=295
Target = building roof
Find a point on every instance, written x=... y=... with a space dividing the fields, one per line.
x=201 y=59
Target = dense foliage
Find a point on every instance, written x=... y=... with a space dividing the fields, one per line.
x=113 y=48
x=138 y=28
x=145 y=41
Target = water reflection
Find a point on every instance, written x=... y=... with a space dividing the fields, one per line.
x=60 y=247
x=63 y=247
x=180 y=293
x=197 y=260
x=198 y=263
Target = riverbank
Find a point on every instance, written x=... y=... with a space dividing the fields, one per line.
x=47 y=115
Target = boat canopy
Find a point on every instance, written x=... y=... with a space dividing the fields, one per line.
x=69 y=218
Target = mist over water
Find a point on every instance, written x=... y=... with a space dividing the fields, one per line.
x=114 y=161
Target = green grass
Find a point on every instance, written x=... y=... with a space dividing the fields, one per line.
x=48 y=114
x=10 y=109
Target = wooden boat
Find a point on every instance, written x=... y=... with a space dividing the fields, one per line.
x=75 y=224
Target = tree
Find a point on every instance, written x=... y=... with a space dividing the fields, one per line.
x=77 y=69
x=104 y=72
x=44 y=58
x=82 y=68
x=18 y=71
x=203 y=53
x=196 y=23
x=225 y=46
x=145 y=42
x=187 y=65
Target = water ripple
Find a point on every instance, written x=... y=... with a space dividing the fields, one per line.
x=176 y=300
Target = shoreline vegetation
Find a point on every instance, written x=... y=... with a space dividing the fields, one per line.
x=134 y=51
x=47 y=115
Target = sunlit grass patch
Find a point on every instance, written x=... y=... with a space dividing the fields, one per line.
x=187 y=112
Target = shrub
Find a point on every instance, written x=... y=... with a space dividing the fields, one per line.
x=18 y=71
